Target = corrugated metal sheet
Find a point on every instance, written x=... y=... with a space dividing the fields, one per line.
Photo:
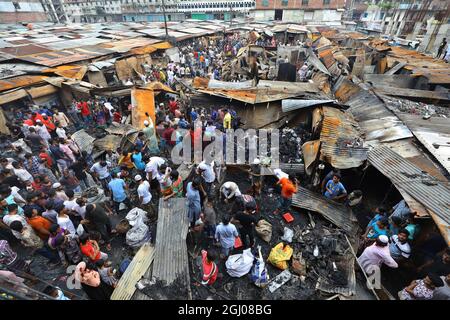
x=430 y=192
x=342 y=145
x=20 y=81
x=12 y=96
x=288 y=105
x=378 y=123
x=57 y=58
x=335 y=212
x=434 y=134
x=42 y=91
x=128 y=44
x=265 y=91
x=19 y=51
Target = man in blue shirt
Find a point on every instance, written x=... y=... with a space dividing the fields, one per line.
x=137 y=160
x=334 y=189
x=118 y=194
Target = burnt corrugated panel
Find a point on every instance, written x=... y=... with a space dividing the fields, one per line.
x=377 y=122
x=335 y=212
x=432 y=193
x=342 y=145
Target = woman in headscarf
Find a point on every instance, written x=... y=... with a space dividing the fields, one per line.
x=91 y=282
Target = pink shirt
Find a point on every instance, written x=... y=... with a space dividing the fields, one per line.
x=375 y=255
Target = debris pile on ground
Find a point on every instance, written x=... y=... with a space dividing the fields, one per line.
x=417 y=108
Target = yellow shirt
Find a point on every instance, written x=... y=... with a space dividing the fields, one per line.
x=227 y=121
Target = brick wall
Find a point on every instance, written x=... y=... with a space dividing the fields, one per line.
x=297 y=4
x=22 y=17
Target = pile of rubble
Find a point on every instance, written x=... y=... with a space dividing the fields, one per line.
x=291 y=148
x=417 y=108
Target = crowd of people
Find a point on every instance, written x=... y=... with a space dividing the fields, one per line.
x=44 y=180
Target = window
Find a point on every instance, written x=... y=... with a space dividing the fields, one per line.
x=265 y=3
x=326 y=1
x=16 y=5
x=305 y=2
x=284 y=3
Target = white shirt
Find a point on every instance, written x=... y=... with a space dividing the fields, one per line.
x=144 y=192
x=43 y=132
x=66 y=223
x=376 y=256
x=102 y=172
x=9 y=218
x=74 y=206
x=23 y=175
x=152 y=166
x=207 y=174
x=229 y=189
x=61 y=133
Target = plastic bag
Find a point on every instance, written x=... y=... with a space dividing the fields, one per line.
x=80 y=229
x=240 y=264
x=259 y=274
x=280 y=255
x=264 y=230
x=139 y=233
x=288 y=235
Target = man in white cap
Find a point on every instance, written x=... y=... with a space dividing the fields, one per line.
x=207 y=172
x=376 y=255
x=255 y=176
x=228 y=190
x=150 y=135
x=60 y=193
x=143 y=190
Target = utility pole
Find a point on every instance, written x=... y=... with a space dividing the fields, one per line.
x=165 y=20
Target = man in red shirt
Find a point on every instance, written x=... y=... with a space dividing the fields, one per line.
x=167 y=135
x=36 y=116
x=288 y=188
x=49 y=124
x=173 y=105
x=85 y=112
x=39 y=224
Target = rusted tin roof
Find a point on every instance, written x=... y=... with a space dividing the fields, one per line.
x=19 y=51
x=57 y=58
x=377 y=122
x=430 y=192
x=265 y=91
x=335 y=212
x=20 y=81
x=341 y=141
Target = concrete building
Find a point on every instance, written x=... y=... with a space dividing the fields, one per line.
x=216 y=9
x=424 y=20
x=300 y=11
x=121 y=10
x=22 y=11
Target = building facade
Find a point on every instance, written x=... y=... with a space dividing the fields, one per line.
x=426 y=21
x=216 y=9
x=152 y=10
x=121 y=10
x=22 y=11
x=300 y=11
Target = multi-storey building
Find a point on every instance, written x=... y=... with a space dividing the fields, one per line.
x=152 y=10
x=424 y=20
x=22 y=11
x=300 y=11
x=215 y=9
x=121 y=10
